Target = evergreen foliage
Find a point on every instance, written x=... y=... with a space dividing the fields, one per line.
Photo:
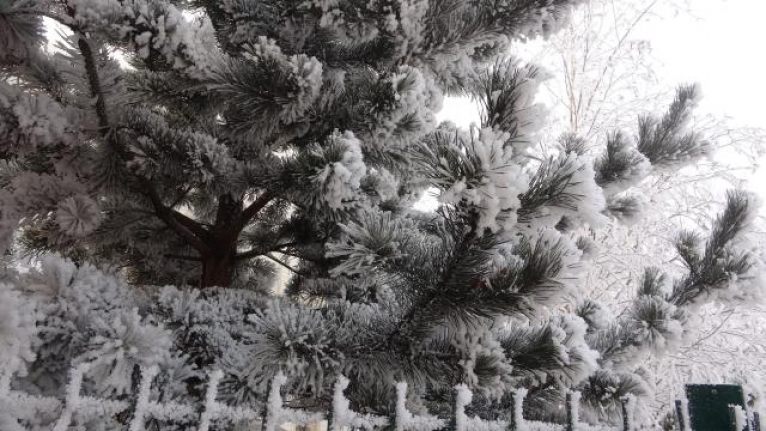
x=242 y=136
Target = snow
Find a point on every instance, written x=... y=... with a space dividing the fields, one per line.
x=211 y=407
x=187 y=46
x=277 y=414
x=73 y=401
x=343 y=416
x=78 y=215
x=740 y=417
x=339 y=181
x=304 y=72
x=573 y=410
x=127 y=340
x=518 y=410
x=495 y=195
x=584 y=200
x=142 y=399
x=406 y=421
x=18 y=333
x=415 y=99
x=120 y=328
x=465 y=423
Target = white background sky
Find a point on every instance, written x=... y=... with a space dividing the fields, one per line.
x=721 y=44
x=721 y=47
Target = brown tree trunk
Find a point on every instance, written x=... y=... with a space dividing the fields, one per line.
x=218 y=265
x=217 y=270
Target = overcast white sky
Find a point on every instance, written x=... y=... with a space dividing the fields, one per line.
x=720 y=45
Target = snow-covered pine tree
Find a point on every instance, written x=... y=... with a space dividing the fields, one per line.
x=238 y=129
x=202 y=142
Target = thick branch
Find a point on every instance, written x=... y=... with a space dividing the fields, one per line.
x=191 y=224
x=168 y=216
x=94 y=81
x=290 y=268
x=260 y=252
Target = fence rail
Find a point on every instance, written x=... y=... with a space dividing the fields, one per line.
x=275 y=416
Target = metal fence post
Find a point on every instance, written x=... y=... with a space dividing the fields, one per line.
x=681 y=416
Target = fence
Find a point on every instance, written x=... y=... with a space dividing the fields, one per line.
x=275 y=416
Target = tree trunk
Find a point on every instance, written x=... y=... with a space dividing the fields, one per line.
x=217 y=270
x=218 y=265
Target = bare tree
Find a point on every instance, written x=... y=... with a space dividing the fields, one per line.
x=603 y=78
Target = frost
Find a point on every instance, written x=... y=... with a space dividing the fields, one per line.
x=386 y=184
x=496 y=194
x=376 y=240
x=73 y=400
x=543 y=20
x=187 y=46
x=142 y=398
x=78 y=215
x=518 y=409
x=657 y=326
x=211 y=407
x=740 y=417
x=277 y=414
x=40 y=122
x=414 y=100
x=565 y=187
x=573 y=409
x=339 y=181
x=127 y=342
x=231 y=135
x=465 y=423
x=343 y=416
x=305 y=75
x=406 y=421
x=18 y=331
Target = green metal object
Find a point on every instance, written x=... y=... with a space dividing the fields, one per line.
x=709 y=406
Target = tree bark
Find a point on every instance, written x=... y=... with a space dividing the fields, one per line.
x=218 y=264
x=217 y=270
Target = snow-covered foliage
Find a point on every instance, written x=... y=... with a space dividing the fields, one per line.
x=463 y=422
x=604 y=72
x=18 y=330
x=239 y=138
x=339 y=181
x=406 y=421
x=495 y=184
x=278 y=414
x=343 y=417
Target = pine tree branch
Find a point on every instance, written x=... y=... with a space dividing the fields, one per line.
x=254 y=208
x=181 y=224
x=290 y=268
x=93 y=81
x=260 y=252
x=191 y=224
x=183 y=257
x=172 y=219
